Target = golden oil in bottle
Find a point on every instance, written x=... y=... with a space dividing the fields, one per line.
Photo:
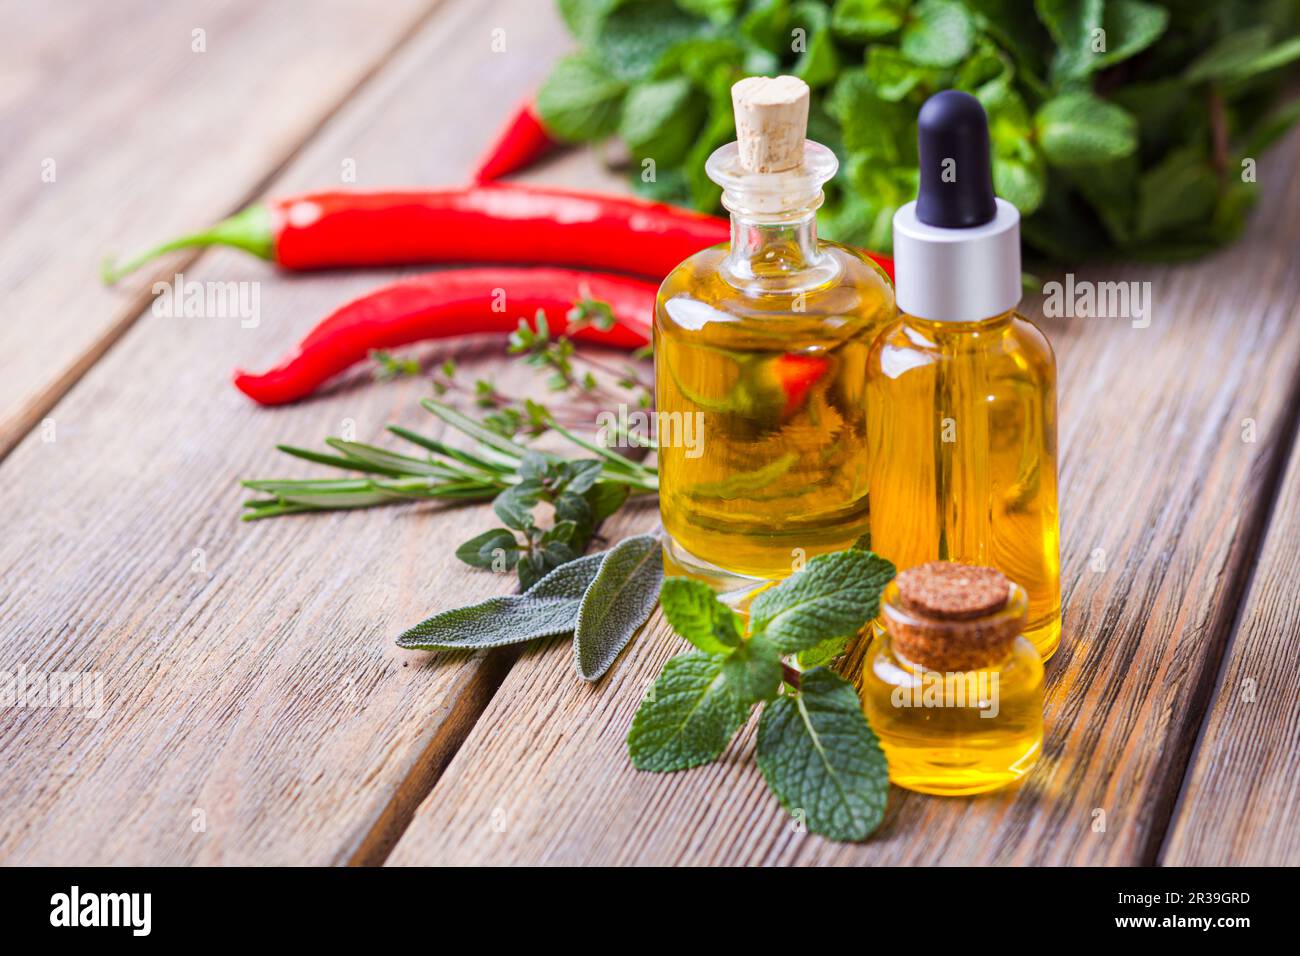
x=957 y=702
x=962 y=390
x=761 y=353
x=964 y=453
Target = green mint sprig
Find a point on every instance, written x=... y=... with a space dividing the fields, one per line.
x=601 y=599
x=815 y=748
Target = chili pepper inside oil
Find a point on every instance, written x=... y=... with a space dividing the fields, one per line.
x=760 y=348
x=963 y=448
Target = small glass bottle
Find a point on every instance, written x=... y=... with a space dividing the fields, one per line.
x=760 y=350
x=962 y=388
x=949 y=684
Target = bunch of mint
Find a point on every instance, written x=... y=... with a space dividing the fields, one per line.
x=815 y=748
x=1118 y=126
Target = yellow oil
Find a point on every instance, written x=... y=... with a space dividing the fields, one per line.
x=962 y=454
x=774 y=372
x=935 y=746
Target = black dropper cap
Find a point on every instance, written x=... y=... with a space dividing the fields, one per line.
x=959 y=194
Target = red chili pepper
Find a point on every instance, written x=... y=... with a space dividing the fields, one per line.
x=449 y=303
x=494 y=222
x=797 y=374
x=520 y=143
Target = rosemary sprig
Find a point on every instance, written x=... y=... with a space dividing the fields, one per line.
x=453 y=474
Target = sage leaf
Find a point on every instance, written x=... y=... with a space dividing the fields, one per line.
x=689 y=717
x=694 y=612
x=835 y=595
x=548 y=608
x=754 y=670
x=618 y=601
x=820 y=756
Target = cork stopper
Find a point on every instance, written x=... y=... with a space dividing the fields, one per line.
x=954 y=617
x=771 y=122
x=953 y=592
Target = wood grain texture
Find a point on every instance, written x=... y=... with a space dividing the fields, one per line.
x=256 y=709
x=1163 y=506
x=148 y=138
x=1241 y=804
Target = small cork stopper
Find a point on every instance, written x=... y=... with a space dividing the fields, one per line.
x=947 y=603
x=953 y=592
x=771 y=122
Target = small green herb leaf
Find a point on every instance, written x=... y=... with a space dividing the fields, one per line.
x=1080 y=128
x=580 y=99
x=938 y=33
x=823 y=653
x=694 y=612
x=495 y=550
x=820 y=757
x=835 y=595
x=514 y=507
x=548 y=608
x=689 y=717
x=617 y=603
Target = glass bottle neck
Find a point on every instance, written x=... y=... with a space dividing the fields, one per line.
x=763 y=247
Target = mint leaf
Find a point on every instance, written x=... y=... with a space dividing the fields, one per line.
x=834 y=596
x=1131 y=26
x=579 y=101
x=617 y=602
x=548 y=608
x=938 y=33
x=754 y=670
x=660 y=120
x=1080 y=128
x=820 y=757
x=632 y=39
x=584 y=17
x=1073 y=25
x=893 y=75
x=860 y=20
x=823 y=653
x=819 y=63
x=495 y=550
x=1178 y=192
x=1229 y=54
x=689 y=717
x=694 y=612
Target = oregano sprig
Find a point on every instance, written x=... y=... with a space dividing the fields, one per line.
x=815 y=748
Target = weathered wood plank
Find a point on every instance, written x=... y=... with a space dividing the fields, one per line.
x=251 y=684
x=119 y=133
x=1241 y=804
x=1162 y=513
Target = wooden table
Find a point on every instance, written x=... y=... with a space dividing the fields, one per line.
x=256 y=709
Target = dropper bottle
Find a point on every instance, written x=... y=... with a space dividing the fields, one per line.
x=962 y=390
x=760 y=348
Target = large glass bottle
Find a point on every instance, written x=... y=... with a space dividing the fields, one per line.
x=761 y=352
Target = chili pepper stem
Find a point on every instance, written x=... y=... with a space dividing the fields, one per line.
x=249 y=229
